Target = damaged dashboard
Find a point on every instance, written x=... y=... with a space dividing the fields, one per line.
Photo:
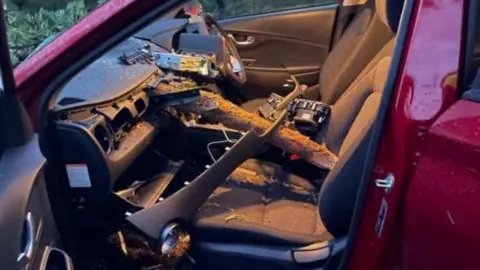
x=111 y=112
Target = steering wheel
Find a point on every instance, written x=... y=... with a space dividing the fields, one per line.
x=234 y=69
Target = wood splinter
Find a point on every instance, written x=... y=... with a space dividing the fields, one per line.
x=218 y=109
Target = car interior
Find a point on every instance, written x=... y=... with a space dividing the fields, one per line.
x=472 y=52
x=146 y=186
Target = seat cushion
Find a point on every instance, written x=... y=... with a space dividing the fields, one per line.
x=260 y=203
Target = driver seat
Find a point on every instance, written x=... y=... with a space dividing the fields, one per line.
x=272 y=219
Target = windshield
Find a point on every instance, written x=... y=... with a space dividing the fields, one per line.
x=32 y=24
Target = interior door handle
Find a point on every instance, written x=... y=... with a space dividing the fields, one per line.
x=27 y=255
x=249 y=40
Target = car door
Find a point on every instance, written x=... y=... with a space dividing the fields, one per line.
x=278 y=38
x=28 y=234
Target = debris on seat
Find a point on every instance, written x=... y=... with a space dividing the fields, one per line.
x=216 y=205
x=242 y=175
x=296 y=188
x=234 y=216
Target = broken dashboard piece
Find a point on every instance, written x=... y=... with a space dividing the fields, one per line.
x=143 y=55
x=174 y=90
x=185 y=61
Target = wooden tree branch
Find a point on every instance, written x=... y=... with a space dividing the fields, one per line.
x=215 y=108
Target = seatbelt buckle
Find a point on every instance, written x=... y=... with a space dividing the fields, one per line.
x=269 y=109
x=308 y=116
x=275 y=104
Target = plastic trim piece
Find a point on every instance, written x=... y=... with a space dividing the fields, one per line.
x=184 y=203
x=312 y=253
x=267 y=253
x=317 y=253
x=20 y=169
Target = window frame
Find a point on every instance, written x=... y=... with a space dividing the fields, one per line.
x=15 y=125
x=283 y=9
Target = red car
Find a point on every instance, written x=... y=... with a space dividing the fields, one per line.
x=98 y=173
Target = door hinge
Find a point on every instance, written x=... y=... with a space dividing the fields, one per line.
x=386 y=183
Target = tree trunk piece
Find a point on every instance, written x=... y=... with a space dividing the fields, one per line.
x=215 y=108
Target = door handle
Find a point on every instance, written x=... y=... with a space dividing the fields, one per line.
x=27 y=254
x=386 y=183
x=249 y=40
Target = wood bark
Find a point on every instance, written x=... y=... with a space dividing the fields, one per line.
x=215 y=108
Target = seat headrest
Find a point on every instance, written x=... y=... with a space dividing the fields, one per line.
x=389 y=12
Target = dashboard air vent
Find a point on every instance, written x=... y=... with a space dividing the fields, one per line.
x=103 y=138
x=140 y=106
x=122 y=119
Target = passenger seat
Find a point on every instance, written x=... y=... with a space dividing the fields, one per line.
x=362 y=40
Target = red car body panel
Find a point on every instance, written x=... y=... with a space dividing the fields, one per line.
x=441 y=216
x=424 y=90
x=422 y=157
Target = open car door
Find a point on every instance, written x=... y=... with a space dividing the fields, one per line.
x=28 y=233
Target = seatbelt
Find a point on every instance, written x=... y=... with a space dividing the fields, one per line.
x=307 y=116
x=346 y=13
x=345 y=16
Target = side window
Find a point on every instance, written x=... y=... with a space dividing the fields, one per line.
x=234 y=8
x=32 y=24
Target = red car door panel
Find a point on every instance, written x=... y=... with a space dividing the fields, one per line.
x=424 y=91
x=440 y=223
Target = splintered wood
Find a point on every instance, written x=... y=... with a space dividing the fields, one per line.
x=241 y=175
x=216 y=108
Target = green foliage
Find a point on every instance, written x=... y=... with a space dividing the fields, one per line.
x=31 y=22
x=26 y=30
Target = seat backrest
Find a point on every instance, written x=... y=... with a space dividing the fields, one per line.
x=346 y=112
x=348 y=130
x=360 y=42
